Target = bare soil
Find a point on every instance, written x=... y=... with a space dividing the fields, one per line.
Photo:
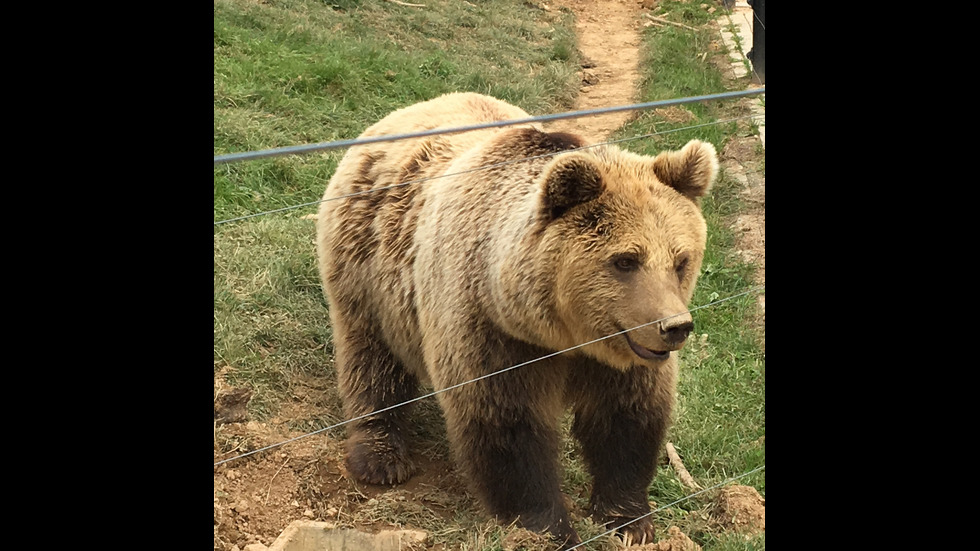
x=742 y=509
x=256 y=497
x=609 y=41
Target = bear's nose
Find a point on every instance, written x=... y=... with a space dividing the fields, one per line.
x=675 y=330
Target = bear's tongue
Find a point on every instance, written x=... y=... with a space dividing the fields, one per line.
x=646 y=353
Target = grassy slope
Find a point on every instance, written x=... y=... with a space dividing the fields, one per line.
x=289 y=72
x=294 y=72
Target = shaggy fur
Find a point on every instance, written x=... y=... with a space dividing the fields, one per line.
x=442 y=281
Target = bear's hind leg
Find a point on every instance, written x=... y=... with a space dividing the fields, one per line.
x=371 y=379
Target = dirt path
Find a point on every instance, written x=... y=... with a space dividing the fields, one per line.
x=609 y=39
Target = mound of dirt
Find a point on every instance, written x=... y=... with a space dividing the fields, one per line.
x=742 y=509
x=676 y=541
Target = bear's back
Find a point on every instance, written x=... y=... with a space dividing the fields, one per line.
x=367 y=221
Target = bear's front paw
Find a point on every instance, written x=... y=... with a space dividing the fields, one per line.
x=636 y=533
x=375 y=462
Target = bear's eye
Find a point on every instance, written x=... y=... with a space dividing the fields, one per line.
x=681 y=266
x=626 y=262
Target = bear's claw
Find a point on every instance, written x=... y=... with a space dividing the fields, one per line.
x=636 y=533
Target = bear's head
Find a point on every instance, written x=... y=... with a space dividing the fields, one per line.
x=625 y=236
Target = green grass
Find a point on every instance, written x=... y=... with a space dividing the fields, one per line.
x=290 y=72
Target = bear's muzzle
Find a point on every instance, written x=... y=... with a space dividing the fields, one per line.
x=674 y=330
x=671 y=333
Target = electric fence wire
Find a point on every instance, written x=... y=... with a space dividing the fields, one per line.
x=485 y=167
x=431 y=394
x=310 y=148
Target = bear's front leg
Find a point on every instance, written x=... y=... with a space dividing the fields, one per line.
x=371 y=379
x=504 y=434
x=620 y=420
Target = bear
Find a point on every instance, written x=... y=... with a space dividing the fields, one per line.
x=451 y=257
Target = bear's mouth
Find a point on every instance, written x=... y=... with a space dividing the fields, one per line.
x=644 y=352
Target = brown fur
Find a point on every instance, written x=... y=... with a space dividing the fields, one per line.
x=445 y=280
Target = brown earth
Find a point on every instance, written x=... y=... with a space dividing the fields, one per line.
x=609 y=40
x=257 y=496
x=742 y=509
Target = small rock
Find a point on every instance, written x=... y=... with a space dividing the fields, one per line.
x=230 y=405
x=403 y=538
x=308 y=513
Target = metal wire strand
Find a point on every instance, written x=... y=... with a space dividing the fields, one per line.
x=485 y=167
x=480 y=378
x=310 y=148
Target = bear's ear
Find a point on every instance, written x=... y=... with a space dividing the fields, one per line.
x=570 y=180
x=690 y=171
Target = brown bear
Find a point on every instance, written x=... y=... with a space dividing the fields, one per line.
x=451 y=257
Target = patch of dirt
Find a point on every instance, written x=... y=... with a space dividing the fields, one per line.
x=257 y=496
x=742 y=509
x=740 y=159
x=675 y=541
x=743 y=158
x=525 y=540
x=609 y=39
